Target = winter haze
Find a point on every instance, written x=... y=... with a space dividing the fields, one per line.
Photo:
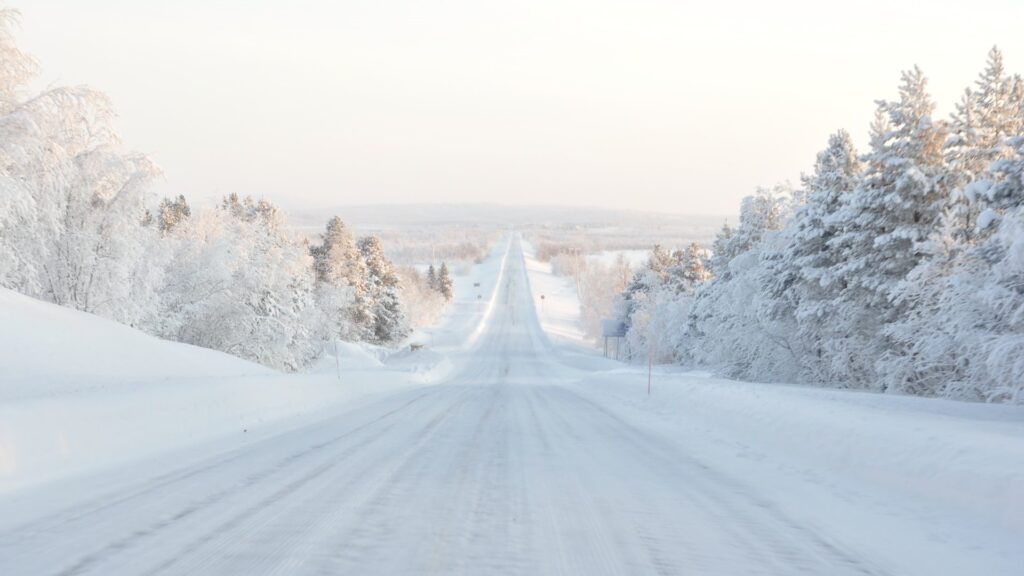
x=526 y=289
x=650 y=105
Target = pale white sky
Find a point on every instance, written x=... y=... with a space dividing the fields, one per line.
x=650 y=104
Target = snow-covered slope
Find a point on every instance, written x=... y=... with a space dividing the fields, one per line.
x=47 y=349
x=558 y=307
x=79 y=393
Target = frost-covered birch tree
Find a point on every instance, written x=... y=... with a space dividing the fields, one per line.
x=75 y=201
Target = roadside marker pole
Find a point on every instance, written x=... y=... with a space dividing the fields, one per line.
x=337 y=359
x=650 y=366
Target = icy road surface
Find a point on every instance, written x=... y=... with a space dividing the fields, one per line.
x=502 y=470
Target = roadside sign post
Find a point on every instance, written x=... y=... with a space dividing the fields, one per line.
x=612 y=328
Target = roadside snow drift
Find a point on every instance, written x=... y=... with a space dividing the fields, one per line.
x=47 y=349
x=79 y=393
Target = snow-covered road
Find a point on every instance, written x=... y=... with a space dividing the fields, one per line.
x=505 y=469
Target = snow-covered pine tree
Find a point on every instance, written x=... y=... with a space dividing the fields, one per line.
x=432 y=277
x=837 y=172
x=997 y=374
x=695 y=265
x=999 y=99
x=801 y=284
x=337 y=259
x=172 y=213
x=1006 y=192
x=725 y=328
x=647 y=277
x=1002 y=191
x=389 y=324
x=965 y=163
x=343 y=283
x=688 y=269
x=444 y=282
x=718 y=263
x=963 y=335
x=887 y=228
x=896 y=208
x=983 y=120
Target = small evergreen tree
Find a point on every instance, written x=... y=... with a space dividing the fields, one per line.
x=444 y=282
x=720 y=256
x=432 y=277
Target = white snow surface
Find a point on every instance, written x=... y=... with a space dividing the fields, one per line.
x=49 y=350
x=79 y=393
x=527 y=454
x=555 y=301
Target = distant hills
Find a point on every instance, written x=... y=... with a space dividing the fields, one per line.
x=382 y=216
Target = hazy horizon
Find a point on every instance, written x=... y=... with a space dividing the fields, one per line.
x=294 y=206
x=650 y=106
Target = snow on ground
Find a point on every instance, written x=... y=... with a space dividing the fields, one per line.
x=79 y=393
x=49 y=350
x=635 y=258
x=554 y=297
x=474 y=300
x=939 y=471
x=537 y=459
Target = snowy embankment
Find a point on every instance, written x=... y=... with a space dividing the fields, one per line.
x=554 y=297
x=940 y=470
x=79 y=393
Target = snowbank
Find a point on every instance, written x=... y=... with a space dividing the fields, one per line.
x=940 y=469
x=555 y=299
x=79 y=393
x=48 y=350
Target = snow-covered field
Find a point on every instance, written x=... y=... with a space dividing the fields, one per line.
x=530 y=454
x=634 y=257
